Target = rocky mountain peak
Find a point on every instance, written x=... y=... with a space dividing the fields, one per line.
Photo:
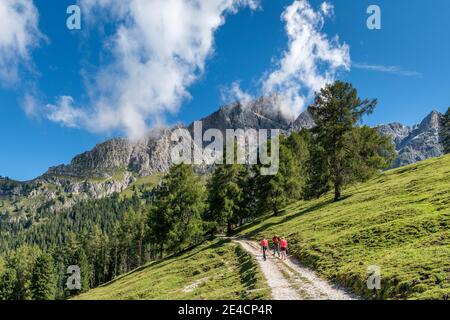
x=431 y=122
x=262 y=113
x=415 y=143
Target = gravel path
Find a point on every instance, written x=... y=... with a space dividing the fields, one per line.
x=289 y=280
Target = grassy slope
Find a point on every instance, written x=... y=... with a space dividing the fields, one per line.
x=215 y=270
x=145 y=183
x=399 y=221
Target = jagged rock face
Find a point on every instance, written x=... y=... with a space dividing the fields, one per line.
x=416 y=143
x=396 y=130
x=112 y=154
x=143 y=157
x=304 y=121
x=259 y=114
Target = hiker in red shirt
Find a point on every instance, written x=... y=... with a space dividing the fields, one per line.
x=284 y=246
x=264 y=246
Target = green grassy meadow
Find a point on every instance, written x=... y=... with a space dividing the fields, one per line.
x=142 y=183
x=399 y=221
x=218 y=269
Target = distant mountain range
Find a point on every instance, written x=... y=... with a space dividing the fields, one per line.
x=152 y=154
x=116 y=164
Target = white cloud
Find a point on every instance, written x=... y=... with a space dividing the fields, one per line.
x=19 y=34
x=327 y=8
x=311 y=60
x=30 y=104
x=65 y=112
x=235 y=93
x=387 y=69
x=159 y=49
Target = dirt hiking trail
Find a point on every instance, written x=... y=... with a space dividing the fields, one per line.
x=289 y=280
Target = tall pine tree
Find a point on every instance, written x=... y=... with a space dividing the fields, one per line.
x=22 y=262
x=273 y=192
x=43 y=278
x=337 y=111
x=225 y=195
x=176 y=210
x=7 y=284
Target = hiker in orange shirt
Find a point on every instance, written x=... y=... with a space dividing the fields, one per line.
x=284 y=246
x=265 y=247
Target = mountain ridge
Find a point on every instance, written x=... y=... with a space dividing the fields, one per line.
x=151 y=154
x=113 y=165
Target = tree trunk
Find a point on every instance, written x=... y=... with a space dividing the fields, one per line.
x=229 y=228
x=338 y=181
x=337 y=191
x=139 y=262
x=115 y=261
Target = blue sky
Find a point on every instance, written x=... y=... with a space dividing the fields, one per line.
x=410 y=54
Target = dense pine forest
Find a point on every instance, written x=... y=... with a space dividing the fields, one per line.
x=112 y=236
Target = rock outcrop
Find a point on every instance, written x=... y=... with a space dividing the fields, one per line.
x=416 y=143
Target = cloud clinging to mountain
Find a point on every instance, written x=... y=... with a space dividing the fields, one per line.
x=159 y=49
x=310 y=61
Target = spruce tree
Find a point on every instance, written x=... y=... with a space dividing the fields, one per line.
x=22 y=261
x=176 y=209
x=277 y=191
x=371 y=152
x=43 y=278
x=7 y=284
x=80 y=259
x=225 y=195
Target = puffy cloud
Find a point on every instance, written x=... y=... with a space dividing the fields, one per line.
x=19 y=34
x=327 y=8
x=159 y=49
x=310 y=61
x=235 y=93
x=65 y=112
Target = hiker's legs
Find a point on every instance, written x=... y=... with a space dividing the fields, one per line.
x=264 y=253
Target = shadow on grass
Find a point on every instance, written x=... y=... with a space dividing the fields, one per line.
x=196 y=249
x=247 y=269
x=267 y=226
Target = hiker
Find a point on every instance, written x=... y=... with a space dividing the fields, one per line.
x=264 y=246
x=276 y=245
x=284 y=246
